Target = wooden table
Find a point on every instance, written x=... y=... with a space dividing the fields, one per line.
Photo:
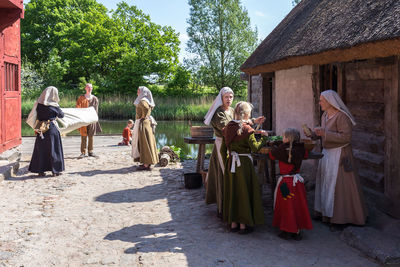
x=202 y=149
x=270 y=171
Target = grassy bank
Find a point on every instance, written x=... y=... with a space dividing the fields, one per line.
x=121 y=107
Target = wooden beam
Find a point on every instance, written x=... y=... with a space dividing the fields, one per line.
x=391 y=169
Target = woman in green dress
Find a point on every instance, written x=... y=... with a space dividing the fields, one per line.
x=218 y=116
x=144 y=147
x=242 y=194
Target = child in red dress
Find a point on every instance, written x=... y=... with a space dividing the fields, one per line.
x=290 y=204
x=127 y=134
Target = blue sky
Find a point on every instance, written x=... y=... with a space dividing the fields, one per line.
x=265 y=14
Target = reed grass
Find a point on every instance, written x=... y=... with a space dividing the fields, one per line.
x=122 y=107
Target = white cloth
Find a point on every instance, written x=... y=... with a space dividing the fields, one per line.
x=75 y=118
x=296 y=178
x=153 y=124
x=31 y=120
x=334 y=99
x=49 y=97
x=135 y=140
x=325 y=183
x=216 y=104
x=236 y=160
x=145 y=94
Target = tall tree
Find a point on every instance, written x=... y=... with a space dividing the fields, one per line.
x=83 y=41
x=220 y=35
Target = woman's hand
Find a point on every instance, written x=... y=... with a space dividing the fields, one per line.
x=264 y=133
x=319 y=131
x=259 y=120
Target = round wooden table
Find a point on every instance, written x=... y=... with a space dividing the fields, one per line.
x=202 y=142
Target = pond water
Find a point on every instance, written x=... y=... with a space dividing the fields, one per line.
x=167 y=133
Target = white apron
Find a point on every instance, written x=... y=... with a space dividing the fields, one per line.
x=326 y=180
x=135 y=140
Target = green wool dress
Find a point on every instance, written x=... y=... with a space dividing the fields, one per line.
x=242 y=192
x=214 y=190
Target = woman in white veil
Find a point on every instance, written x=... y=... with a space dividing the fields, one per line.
x=338 y=194
x=144 y=147
x=218 y=116
x=48 y=152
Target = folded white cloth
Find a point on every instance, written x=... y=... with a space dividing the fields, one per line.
x=75 y=118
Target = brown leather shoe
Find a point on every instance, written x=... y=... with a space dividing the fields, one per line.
x=143 y=168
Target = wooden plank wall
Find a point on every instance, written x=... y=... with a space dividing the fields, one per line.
x=365 y=84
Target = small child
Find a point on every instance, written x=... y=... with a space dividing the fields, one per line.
x=127 y=134
x=290 y=203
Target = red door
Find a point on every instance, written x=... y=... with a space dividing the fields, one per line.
x=10 y=87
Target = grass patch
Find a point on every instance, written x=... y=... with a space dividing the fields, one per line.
x=121 y=107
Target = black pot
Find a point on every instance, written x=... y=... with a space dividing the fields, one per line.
x=193 y=180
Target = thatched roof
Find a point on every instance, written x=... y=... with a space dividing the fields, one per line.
x=316 y=26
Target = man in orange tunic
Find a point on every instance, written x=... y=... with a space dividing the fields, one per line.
x=87 y=132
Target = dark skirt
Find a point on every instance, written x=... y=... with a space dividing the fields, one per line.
x=48 y=153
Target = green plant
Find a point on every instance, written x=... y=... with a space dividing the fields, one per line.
x=179 y=152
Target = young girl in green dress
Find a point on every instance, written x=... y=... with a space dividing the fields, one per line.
x=242 y=194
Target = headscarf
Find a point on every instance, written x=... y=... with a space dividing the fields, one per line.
x=334 y=99
x=145 y=94
x=49 y=97
x=216 y=104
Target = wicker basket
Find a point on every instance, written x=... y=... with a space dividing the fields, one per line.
x=201 y=131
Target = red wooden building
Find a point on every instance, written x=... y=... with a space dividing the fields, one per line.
x=11 y=13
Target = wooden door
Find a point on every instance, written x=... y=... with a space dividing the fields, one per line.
x=10 y=87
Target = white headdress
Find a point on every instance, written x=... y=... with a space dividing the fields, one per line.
x=144 y=94
x=49 y=97
x=334 y=99
x=216 y=104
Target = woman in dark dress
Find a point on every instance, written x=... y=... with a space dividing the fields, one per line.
x=48 y=152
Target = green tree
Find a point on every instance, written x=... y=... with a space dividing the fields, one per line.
x=74 y=40
x=143 y=48
x=32 y=82
x=220 y=35
x=179 y=84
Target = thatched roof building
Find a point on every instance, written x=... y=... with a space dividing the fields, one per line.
x=353 y=47
x=328 y=28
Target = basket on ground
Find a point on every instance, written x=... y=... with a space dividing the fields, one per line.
x=193 y=180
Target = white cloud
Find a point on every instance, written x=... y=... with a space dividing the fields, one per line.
x=259 y=13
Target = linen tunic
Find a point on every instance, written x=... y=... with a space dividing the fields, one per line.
x=93 y=128
x=48 y=152
x=242 y=194
x=214 y=190
x=147 y=142
x=349 y=205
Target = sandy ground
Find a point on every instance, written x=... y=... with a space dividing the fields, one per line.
x=104 y=212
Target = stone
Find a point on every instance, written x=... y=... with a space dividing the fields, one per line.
x=373 y=243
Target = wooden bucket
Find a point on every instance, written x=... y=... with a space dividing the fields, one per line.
x=201 y=131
